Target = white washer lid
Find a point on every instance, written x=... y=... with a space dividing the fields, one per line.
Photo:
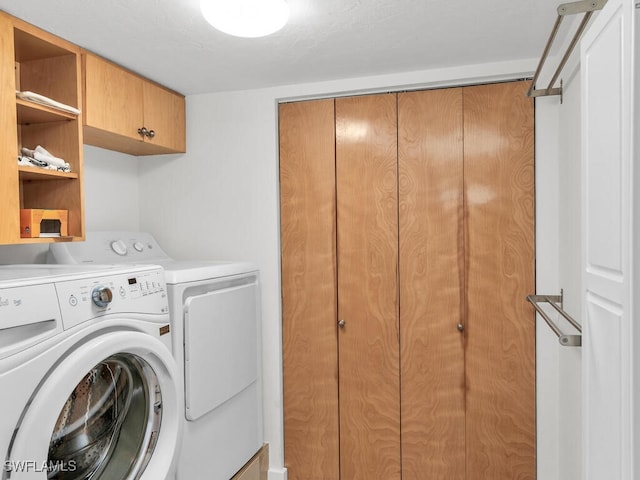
x=183 y=271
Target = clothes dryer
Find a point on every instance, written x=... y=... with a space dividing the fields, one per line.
x=215 y=316
x=89 y=384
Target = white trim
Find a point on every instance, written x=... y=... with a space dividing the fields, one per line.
x=277 y=474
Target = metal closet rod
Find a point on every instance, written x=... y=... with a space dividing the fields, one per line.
x=584 y=6
x=556 y=302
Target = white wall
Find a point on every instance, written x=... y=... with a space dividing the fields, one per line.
x=221 y=201
x=111 y=200
x=112 y=197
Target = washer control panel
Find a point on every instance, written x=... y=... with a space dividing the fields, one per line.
x=127 y=294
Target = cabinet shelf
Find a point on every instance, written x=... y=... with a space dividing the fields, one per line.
x=32 y=60
x=32 y=113
x=35 y=173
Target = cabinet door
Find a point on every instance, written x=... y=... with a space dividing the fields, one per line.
x=500 y=330
x=113 y=108
x=367 y=205
x=164 y=113
x=430 y=154
x=309 y=292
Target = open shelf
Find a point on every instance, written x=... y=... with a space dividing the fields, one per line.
x=35 y=173
x=32 y=60
x=30 y=113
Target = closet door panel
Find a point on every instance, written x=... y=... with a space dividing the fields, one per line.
x=430 y=157
x=309 y=295
x=366 y=165
x=500 y=353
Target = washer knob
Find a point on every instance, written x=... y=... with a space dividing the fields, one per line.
x=138 y=246
x=101 y=296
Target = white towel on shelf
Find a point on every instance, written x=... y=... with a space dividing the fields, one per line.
x=25 y=161
x=49 y=102
x=42 y=155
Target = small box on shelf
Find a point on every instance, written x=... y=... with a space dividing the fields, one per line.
x=39 y=223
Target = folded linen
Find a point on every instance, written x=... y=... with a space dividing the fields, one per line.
x=25 y=161
x=49 y=102
x=40 y=154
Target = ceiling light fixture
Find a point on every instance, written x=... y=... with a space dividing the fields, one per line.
x=246 y=18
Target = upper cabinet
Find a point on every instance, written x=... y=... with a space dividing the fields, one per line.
x=128 y=113
x=35 y=61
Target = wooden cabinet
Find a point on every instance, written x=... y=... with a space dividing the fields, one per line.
x=407 y=254
x=120 y=106
x=36 y=61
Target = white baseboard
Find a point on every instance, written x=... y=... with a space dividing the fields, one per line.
x=277 y=474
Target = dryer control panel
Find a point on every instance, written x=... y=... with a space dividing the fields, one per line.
x=126 y=295
x=109 y=247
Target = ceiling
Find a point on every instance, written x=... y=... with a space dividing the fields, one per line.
x=169 y=41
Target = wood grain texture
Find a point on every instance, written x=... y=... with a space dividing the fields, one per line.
x=50 y=66
x=9 y=188
x=309 y=289
x=63 y=139
x=118 y=102
x=164 y=113
x=500 y=352
x=430 y=156
x=57 y=78
x=366 y=172
x=112 y=97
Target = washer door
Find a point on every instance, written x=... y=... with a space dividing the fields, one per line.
x=108 y=411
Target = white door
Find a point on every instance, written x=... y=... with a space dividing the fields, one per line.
x=608 y=236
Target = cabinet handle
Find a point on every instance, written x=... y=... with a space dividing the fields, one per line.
x=143 y=132
x=341 y=323
x=461 y=327
x=151 y=134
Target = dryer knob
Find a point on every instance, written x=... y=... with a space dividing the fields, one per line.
x=119 y=247
x=102 y=296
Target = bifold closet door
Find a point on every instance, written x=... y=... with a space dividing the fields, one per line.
x=367 y=206
x=407 y=252
x=500 y=329
x=309 y=295
x=432 y=276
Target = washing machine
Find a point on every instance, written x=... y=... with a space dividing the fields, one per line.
x=215 y=319
x=88 y=380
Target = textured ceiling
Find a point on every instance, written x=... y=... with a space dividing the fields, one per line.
x=169 y=41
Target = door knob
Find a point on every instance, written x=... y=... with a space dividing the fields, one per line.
x=341 y=323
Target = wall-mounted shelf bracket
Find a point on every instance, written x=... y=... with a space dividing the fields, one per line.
x=556 y=302
x=587 y=7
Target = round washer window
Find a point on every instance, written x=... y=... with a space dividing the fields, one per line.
x=109 y=425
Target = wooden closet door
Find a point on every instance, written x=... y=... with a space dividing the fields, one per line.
x=366 y=168
x=430 y=154
x=309 y=295
x=500 y=353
